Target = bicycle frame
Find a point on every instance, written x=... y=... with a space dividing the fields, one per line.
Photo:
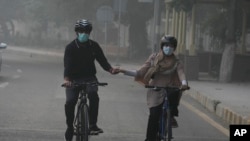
x=82 y=100
x=165 y=125
x=81 y=104
x=81 y=121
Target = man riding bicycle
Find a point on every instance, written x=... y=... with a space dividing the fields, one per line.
x=79 y=66
x=161 y=69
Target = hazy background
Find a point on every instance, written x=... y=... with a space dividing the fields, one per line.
x=131 y=29
x=213 y=43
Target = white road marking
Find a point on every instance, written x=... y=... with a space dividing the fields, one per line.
x=16 y=76
x=31 y=130
x=4 y=84
x=19 y=70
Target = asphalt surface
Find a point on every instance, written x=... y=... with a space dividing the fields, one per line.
x=125 y=96
x=230 y=101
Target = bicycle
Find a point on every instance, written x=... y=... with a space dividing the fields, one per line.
x=81 y=121
x=165 y=125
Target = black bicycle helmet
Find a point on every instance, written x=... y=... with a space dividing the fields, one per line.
x=169 y=40
x=83 y=26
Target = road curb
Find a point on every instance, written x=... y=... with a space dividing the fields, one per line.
x=215 y=106
x=31 y=51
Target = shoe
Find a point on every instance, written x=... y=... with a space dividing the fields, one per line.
x=69 y=134
x=174 y=123
x=95 y=130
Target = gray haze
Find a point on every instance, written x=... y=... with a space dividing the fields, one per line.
x=213 y=44
x=129 y=29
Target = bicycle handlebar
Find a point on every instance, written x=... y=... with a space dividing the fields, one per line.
x=84 y=84
x=167 y=87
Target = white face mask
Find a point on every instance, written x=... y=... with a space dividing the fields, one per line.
x=168 y=50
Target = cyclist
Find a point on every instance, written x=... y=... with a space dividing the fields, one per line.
x=79 y=66
x=161 y=69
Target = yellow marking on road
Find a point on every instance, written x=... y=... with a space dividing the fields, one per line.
x=206 y=118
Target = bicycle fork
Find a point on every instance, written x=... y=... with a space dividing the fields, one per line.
x=77 y=125
x=76 y=120
x=165 y=131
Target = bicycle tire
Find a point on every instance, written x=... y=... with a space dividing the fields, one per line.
x=78 y=125
x=168 y=126
x=162 y=133
x=164 y=123
x=166 y=134
x=84 y=116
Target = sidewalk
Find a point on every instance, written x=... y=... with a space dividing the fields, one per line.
x=231 y=101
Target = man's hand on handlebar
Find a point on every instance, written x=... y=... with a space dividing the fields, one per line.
x=67 y=83
x=184 y=87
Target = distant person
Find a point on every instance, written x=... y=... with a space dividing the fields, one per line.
x=79 y=66
x=161 y=69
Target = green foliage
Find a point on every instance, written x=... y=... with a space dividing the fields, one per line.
x=137 y=16
x=214 y=24
x=10 y=9
x=66 y=12
x=217 y=22
x=179 y=5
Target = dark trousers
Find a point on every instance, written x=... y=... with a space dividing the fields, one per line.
x=153 y=122
x=71 y=100
x=155 y=113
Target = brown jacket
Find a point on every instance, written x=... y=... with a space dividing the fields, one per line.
x=173 y=78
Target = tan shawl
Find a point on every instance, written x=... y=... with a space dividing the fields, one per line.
x=159 y=65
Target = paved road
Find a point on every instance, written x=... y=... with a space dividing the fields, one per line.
x=31 y=105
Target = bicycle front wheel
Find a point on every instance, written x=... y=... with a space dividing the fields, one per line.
x=165 y=133
x=168 y=126
x=84 y=117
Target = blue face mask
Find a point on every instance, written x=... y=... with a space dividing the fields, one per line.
x=83 y=37
x=168 y=50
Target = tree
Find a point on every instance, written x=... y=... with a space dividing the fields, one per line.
x=221 y=26
x=227 y=35
x=7 y=15
x=228 y=55
x=61 y=12
x=65 y=12
x=137 y=20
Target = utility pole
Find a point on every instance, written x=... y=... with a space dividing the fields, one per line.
x=156 y=25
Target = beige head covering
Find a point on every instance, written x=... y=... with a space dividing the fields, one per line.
x=160 y=64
